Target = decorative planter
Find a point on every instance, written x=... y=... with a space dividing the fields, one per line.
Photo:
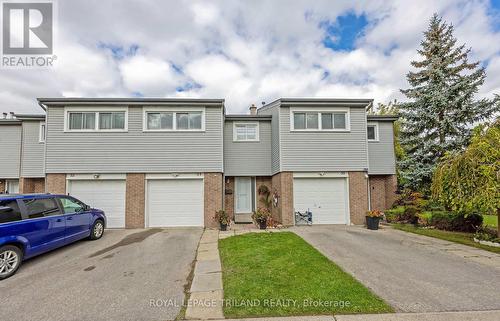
x=262 y=225
x=223 y=227
x=372 y=222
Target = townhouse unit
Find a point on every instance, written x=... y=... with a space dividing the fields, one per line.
x=175 y=162
x=22 y=140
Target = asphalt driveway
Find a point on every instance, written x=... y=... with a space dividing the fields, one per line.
x=412 y=273
x=126 y=275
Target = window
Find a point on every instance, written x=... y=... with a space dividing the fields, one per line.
x=160 y=121
x=41 y=207
x=372 y=132
x=42 y=133
x=71 y=205
x=112 y=119
x=115 y=120
x=173 y=120
x=245 y=132
x=82 y=121
x=320 y=121
x=9 y=211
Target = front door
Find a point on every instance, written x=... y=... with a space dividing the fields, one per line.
x=243 y=195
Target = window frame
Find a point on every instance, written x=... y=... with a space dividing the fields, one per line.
x=42 y=133
x=377 y=137
x=174 y=111
x=306 y=111
x=97 y=112
x=257 y=130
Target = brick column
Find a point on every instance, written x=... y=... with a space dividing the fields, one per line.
x=2 y=186
x=229 y=197
x=31 y=185
x=283 y=184
x=358 y=197
x=56 y=183
x=213 y=197
x=135 y=200
x=391 y=187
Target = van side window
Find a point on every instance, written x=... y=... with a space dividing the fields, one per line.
x=41 y=207
x=71 y=206
x=9 y=211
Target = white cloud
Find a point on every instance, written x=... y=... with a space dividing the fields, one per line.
x=243 y=51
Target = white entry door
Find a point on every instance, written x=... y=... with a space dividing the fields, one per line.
x=243 y=194
x=107 y=195
x=175 y=202
x=326 y=198
x=12 y=186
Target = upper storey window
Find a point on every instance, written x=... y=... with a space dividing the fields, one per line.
x=156 y=119
x=320 y=120
x=245 y=132
x=372 y=132
x=86 y=120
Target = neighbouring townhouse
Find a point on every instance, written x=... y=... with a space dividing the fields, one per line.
x=174 y=162
x=22 y=140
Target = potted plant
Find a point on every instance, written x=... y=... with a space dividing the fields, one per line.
x=373 y=219
x=223 y=219
x=260 y=217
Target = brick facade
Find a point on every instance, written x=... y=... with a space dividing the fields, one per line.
x=2 y=186
x=358 y=197
x=213 y=197
x=135 y=201
x=382 y=191
x=229 y=197
x=31 y=185
x=55 y=183
x=282 y=183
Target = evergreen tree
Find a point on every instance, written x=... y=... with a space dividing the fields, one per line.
x=441 y=110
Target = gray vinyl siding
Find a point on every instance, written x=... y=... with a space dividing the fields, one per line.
x=10 y=155
x=33 y=150
x=381 y=154
x=247 y=158
x=134 y=151
x=275 y=137
x=324 y=151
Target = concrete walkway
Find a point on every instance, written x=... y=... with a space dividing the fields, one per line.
x=441 y=316
x=206 y=294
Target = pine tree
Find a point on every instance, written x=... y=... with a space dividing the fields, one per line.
x=441 y=110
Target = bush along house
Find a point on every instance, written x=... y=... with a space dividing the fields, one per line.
x=175 y=162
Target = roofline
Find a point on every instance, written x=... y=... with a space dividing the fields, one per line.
x=349 y=102
x=43 y=102
x=249 y=117
x=382 y=117
x=30 y=116
x=10 y=122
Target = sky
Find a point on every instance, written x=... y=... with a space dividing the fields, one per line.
x=247 y=52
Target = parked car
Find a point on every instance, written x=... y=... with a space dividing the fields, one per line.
x=32 y=224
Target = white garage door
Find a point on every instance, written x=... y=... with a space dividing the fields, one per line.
x=326 y=198
x=107 y=195
x=175 y=202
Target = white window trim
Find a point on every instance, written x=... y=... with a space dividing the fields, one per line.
x=235 y=136
x=42 y=133
x=376 y=132
x=174 y=111
x=347 y=111
x=97 y=111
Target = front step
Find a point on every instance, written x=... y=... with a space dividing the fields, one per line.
x=243 y=218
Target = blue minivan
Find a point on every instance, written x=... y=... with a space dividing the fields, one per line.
x=31 y=224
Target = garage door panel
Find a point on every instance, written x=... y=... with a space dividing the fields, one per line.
x=324 y=197
x=108 y=196
x=175 y=202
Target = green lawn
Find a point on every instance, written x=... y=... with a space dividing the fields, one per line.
x=274 y=274
x=490 y=220
x=457 y=237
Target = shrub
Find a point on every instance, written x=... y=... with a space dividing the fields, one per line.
x=410 y=198
x=393 y=215
x=410 y=215
x=424 y=219
x=487 y=234
x=451 y=221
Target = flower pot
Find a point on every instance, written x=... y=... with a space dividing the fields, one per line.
x=262 y=225
x=223 y=227
x=372 y=222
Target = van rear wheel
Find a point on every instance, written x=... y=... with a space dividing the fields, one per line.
x=11 y=258
x=97 y=230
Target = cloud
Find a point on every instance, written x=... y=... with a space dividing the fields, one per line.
x=245 y=51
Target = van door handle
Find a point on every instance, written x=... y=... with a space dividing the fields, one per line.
x=59 y=220
x=69 y=218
